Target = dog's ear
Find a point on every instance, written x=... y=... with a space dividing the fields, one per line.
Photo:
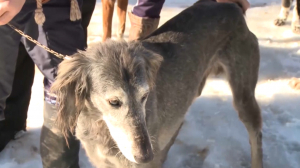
x=153 y=61
x=71 y=89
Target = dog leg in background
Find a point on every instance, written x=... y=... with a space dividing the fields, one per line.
x=121 y=10
x=295 y=21
x=107 y=16
x=238 y=66
x=284 y=13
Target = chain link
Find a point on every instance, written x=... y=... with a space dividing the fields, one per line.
x=61 y=56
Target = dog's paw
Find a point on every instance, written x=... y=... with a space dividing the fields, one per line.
x=296 y=27
x=279 y=22
x=295 y=83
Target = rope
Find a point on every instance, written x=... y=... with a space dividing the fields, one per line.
x=75 y=13
x=58 y=55
x=39 y=14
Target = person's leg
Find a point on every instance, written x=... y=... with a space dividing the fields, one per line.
x=9 y=45
x=65 y=37
x=144 y=18
x=88 y=7
x=18 y=102
x=148 y=8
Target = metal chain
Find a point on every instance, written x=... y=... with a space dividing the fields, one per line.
x=61 y=56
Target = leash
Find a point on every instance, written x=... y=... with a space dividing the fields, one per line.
x=61 y=56
x=75 y=14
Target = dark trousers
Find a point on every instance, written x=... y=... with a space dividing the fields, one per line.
x=18 y=101
x=148 y=8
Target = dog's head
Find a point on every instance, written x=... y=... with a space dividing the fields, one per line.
x=115 y=78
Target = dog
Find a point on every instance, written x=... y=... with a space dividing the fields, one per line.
x=284 y=13
x=107 y=16
x=126 y=101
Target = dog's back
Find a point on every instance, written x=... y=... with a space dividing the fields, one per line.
x=204 y=36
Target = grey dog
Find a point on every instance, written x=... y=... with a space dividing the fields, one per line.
x=126 y=101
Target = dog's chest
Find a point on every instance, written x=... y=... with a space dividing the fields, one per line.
x=99 y=157
x=168 y=132
x=101 y=149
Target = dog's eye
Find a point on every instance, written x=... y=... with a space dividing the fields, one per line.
x=115 y=102
x=145 y=97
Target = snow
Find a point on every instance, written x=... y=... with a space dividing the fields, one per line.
x=212 y=127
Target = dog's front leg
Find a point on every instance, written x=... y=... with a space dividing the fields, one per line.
x=284 y=13
x=295 y=21
x=108 y=11
x=121 y=10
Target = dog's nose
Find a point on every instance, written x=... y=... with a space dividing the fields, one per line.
x=144 y=158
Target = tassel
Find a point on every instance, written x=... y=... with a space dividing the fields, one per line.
x=39 y=14
x=75 y=13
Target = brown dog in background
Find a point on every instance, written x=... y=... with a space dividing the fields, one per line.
x=107 y=16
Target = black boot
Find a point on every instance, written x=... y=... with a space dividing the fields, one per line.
x=6 y=135
x=55 y=152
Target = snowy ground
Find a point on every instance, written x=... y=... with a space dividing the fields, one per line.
x=212 y=122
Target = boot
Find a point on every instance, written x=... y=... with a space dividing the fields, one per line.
x=55 y=151
x=141 y=27
x=6 y=134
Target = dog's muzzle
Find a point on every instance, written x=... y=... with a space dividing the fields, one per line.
x=144 y=154
x=143 y=149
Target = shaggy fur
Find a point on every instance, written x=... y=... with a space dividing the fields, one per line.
x=127 y=101
x=284 y=13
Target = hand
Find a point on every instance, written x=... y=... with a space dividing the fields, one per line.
x=45 y=1
x=9 y=9
x=243 y=3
